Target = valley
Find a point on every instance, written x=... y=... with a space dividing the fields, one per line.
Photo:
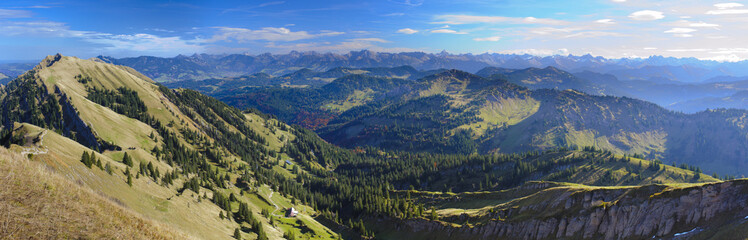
x=455 y=111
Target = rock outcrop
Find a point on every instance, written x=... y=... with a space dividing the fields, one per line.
x=605 y=213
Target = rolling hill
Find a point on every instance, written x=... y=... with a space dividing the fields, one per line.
x=4 y=79
x=298 y=79
x=188 y=162
x=456 y=111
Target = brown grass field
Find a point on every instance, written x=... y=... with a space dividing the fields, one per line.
x=36 y=203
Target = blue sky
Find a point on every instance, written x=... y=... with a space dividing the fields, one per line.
x=716 y=30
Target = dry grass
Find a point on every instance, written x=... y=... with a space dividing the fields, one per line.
x=36 y=203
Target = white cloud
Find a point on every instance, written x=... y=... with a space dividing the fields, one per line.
x=724 y=58
x=407 y=31
x=370 y=40
x=680 y=30
x=536 y=52
x=488 y=39
x=267 y=33
x=412 y=3
x=618 y=1
x=142 y=42
x=8 y=13
x=37 y=29
x=470 y=19
x=397 y=14
x=271 y=3
x=595 y=34
x=729 y=50
x=450 y=31
x=727 y=11
x=363 y=32
x=606 y=21
x=683 y=35
x=129 y=44
x=688 y=50
x=646 y=15
x=727 y=8
x=650 y=48
x=341 y=47
x=703 y=24
x=727 y=5
x=550 y=30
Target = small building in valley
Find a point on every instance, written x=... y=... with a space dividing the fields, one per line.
x=291 y=212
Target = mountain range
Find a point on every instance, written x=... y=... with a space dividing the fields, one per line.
x=204 y=66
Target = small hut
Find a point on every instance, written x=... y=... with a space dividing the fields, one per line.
x=291 y=212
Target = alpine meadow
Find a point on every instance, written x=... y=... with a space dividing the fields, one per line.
x=399 y=119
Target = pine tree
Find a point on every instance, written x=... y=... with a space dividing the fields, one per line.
x=127 y=160
x=86 y=159
x=290 y=235
x=237 y=234
x=129 y=177
x=434 y=216
x=98 y=164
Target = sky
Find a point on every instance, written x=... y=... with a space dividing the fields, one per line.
x=716 y=30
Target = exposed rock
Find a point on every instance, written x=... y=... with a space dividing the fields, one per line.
x=625 y=213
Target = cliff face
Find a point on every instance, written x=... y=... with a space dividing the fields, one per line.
x=624 y=213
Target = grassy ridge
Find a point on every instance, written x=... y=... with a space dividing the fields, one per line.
x=40 y=203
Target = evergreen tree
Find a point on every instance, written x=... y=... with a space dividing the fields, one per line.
x=129 y=177
x=290 y=235
x=127 y=160
x=98 y=164
x=237 y=234
x=86 y=159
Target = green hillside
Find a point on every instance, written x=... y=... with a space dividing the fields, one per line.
x=457 y=112
x=88 y=106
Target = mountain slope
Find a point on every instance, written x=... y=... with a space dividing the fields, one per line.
x=458 y=112
x=180 y=153
x=4 y=79
x=44 y=204
x=738 y=100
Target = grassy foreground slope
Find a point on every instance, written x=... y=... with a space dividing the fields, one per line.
x=185 y=212
x=37 y=202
